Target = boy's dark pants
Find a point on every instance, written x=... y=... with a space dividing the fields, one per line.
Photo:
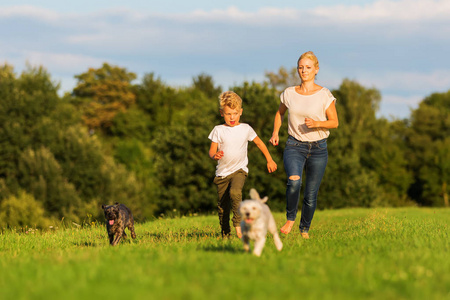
x=229 y=189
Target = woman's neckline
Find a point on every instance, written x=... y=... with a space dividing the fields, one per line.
x=317 y=91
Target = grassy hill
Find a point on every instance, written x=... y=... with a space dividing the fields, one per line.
x=352 y=254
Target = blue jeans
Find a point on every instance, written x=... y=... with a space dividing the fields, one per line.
x=313 y=157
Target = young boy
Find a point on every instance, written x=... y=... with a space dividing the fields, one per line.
x=229 y=143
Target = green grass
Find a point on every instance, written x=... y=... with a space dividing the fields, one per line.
x=352 y=254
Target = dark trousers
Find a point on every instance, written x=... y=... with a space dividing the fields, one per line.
x=229 y=190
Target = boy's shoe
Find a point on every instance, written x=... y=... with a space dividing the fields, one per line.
x=305 y=235
x=226 y=237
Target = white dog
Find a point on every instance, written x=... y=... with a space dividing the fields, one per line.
x=256 y=220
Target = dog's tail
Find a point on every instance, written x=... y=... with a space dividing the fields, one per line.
x=255 y=196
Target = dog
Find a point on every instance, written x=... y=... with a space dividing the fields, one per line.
x=118 y=217
x=256 y=221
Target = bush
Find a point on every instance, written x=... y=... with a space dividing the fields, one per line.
x=23 y=210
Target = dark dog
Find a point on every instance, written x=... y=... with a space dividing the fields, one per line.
x=118 y=217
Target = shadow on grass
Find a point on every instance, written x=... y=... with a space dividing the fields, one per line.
x=223 y=248
x=86 y=244
x=100 y=242
x=182 y=235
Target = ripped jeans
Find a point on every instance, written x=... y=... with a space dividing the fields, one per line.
x=313 y=158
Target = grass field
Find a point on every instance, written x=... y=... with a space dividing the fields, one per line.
x=352 y=254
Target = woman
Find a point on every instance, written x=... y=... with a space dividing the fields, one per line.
x=312 y=112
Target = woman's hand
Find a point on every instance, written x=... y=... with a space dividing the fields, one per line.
x=274 y=140
x=310 y=123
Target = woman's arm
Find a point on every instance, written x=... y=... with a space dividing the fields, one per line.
x=331 y=122
x=279 y=116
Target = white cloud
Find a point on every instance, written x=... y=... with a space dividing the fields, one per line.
x=262 y=17
x=411 y=101
x=388 y=11
x=399 y=107
x=398 y=47
x=62 y=62
x=436 y=80
x=29 y=11
x=378 y=11
x=127 y=30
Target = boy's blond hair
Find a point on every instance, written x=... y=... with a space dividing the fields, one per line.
x=230 y=99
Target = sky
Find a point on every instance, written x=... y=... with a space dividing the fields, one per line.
x=399 y=47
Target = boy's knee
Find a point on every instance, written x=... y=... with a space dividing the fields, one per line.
x=294 y=177
x=235 y=194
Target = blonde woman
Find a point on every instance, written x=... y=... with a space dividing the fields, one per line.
x=312 y=112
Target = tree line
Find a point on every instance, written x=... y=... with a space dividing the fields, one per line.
x=146 y=145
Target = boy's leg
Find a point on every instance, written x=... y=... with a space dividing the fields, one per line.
x=236 y=186
x=223 y=204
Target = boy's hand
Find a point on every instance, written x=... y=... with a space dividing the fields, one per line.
x=272 y=166
x=218 y=155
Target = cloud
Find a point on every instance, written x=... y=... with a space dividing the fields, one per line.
x=61 y=62
x=29 y=11
x=206 y=31
x=388 y=11
x=399 y=47
x=414 y=82
x=377 y=12
x=413 y=100
x=398 y=107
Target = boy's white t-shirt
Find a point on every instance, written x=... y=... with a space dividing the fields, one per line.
x=306 y=106
x=233 y=141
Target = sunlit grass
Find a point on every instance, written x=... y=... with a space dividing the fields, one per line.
x=352 y=254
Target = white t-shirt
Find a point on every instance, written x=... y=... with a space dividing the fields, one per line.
x=306 y=106
x=233 y=141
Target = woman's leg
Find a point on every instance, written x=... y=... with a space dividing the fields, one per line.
x=294 y=159
x=314 y=171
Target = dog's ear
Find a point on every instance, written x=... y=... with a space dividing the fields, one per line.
x=103 y=206
x=264 y=200
x=117 y=203
x=254 y=195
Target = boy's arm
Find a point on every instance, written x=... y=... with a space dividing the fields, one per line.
x=271 y=165
x=213 y=152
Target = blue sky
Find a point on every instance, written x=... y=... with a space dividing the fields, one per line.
x=399 y=47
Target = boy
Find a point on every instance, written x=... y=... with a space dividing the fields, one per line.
x=229 y=143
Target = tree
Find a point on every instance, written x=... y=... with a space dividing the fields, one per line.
x=184 y=171
x=102 y=93
x=21 y=211
x=42 y=176
x=46 y=153
x=428 y=141
x=205 y=83
x=157 y=100
x=283 y=78
x=26 y=102
x=366 y=165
